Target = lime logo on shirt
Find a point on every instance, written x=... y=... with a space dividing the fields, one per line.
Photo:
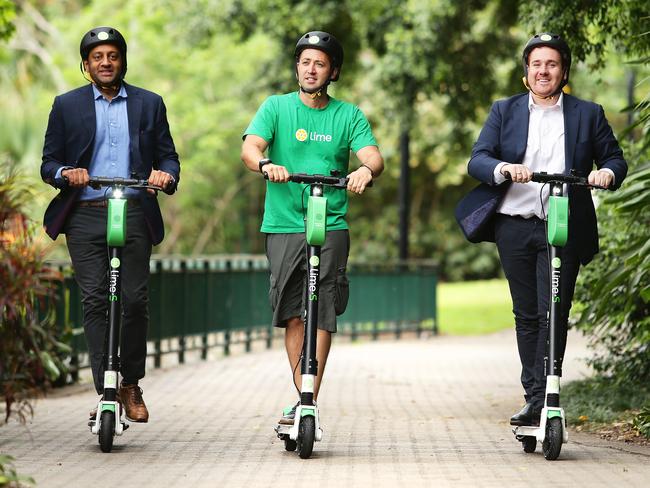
x=302 y=135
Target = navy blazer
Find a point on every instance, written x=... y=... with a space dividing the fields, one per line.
x=69 y=140
x=588 y=140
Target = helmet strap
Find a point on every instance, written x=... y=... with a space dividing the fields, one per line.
x=313 y=94
x=115 y=86
x=317 y=92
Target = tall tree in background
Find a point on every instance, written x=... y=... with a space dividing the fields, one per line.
x=432 y=55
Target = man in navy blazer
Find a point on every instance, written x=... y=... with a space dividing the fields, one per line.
x=109 y=128
x=542 y=130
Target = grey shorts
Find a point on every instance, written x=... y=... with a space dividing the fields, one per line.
x=288 y=262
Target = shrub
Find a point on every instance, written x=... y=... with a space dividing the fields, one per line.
x=30 y=354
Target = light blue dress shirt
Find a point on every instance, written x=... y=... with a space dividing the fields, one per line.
x=111 y=146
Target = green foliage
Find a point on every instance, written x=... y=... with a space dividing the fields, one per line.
x=404 y=74
x=7 y=15
x=431 y=67
x=620 y=325
x=30 y=354
x=592 y=28
x=430 y=50
x=601 y=400
x=642 y=421
x=9 y=477
x=278 y=22
x=214 y=61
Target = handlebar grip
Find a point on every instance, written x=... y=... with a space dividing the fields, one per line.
x=97 y=182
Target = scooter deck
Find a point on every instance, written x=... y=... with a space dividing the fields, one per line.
x=290 y=431
x=283 y=429
x=539 y=431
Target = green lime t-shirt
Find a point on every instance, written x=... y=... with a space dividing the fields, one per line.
x=307 y=140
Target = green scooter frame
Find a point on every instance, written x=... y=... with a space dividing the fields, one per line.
x=110 y=420
x=552 y=430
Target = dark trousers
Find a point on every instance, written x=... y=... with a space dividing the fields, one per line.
x=86 y=239
x=523 y=250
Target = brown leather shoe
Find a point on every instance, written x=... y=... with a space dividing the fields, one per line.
x=134 y=407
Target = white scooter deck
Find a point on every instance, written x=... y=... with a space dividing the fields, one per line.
x=291 y=430
x=539 y=432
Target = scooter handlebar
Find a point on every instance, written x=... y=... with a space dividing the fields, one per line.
x=543 y=177
x=98 y=181
x=333 y=181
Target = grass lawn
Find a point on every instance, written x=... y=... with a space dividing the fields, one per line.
x=474 y=307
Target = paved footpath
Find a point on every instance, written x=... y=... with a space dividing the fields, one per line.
x=428 y=412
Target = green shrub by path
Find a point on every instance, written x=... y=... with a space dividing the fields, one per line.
x=474 y=307
x=9 y=477
x=598 y=402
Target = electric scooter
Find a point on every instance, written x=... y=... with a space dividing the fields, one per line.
x=109 y=420
x=306 y=427
x=552 y=430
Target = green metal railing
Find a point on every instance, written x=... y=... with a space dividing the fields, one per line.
x=203 y=303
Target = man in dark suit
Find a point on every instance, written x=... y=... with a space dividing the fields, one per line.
x=109 y=128
x=542 y=130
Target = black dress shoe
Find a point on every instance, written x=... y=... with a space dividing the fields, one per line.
x=529 y=415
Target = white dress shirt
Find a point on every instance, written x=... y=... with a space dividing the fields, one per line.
x=544 y=152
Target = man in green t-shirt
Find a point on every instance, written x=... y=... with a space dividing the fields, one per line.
x=308 y=132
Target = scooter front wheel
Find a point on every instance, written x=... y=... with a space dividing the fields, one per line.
x=106 y=431
x=306 y=436
x=553 y=440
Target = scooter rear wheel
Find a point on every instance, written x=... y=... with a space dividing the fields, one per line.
x=553 y=441
x=306 y=436
x=529 y=443
x=290 y=445
x=106 y=431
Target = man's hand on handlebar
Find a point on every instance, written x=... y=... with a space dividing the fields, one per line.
x=275 y=173
x=160 y=179
x=600 y=178
x=518 y=172
x=76 y=177
x=359 y=179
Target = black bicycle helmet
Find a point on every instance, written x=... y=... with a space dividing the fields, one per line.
x=324 y=42
x=103 y=35
x=553 y=41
